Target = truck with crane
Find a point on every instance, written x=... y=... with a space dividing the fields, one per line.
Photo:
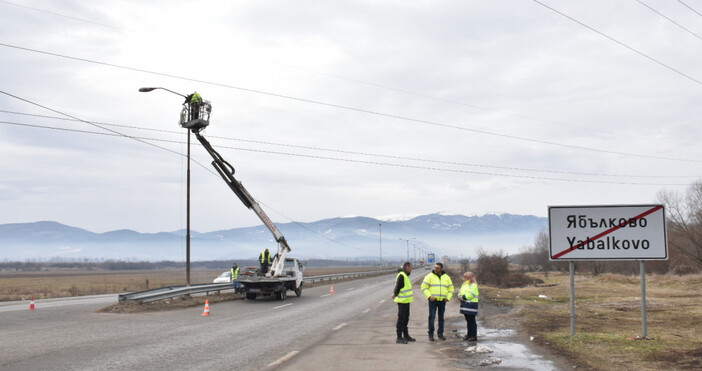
x=285 y=273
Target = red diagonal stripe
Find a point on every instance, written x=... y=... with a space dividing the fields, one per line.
x=643 y=215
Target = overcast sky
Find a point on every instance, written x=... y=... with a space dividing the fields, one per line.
x=340 y=108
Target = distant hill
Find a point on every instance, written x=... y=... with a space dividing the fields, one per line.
x=336 y=238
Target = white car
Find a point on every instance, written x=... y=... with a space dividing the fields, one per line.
x=225 y=277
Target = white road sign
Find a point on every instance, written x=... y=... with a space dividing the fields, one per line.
x=621 y=232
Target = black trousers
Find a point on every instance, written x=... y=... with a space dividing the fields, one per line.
x=403 y=313
x=264 y=267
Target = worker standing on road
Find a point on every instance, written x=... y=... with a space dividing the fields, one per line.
x=403 y=296
x=235 y=276
x=438 y=288
x=468 y=296
x=265 y=260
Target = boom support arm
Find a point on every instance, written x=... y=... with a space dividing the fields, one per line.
x=226 y=171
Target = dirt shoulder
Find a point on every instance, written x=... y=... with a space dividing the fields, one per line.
x=608 y=320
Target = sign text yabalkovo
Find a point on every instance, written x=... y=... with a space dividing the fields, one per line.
x=627 y=232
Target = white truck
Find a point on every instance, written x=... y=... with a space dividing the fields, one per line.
x=285 y=273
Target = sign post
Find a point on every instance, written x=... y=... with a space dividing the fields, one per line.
x=618 y=232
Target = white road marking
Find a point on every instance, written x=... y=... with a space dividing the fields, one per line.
x=382 y=301
x=366 y=311
x=324 y=295
x=339 y=326
x=284 y=305
x=287 y=357
x=350 y=289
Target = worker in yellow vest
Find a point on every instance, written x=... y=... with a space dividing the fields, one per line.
x=195 y=101
x=265 y=260
x=235 y=276
x=469 y=296
x=403 y=296
x=438 y=289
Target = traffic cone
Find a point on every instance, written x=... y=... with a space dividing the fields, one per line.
x=207 y=308
x=31 y=305
x=332 y=290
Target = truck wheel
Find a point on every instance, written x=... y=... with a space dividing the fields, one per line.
x=250 y=296
x=298 y=291
x=281 y=295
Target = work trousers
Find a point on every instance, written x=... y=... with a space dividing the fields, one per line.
x=472 y=325
x=433 y=306
x=264 y=268
x=403 y=313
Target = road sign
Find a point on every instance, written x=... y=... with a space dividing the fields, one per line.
x=431 y=259
x=620 y=232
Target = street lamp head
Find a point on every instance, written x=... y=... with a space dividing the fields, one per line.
x=146 y=90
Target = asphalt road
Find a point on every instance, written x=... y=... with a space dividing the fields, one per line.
x=68 y=334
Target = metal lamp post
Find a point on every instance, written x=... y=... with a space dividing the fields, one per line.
x=187 y=212
x=380 y=229
x=408 y=240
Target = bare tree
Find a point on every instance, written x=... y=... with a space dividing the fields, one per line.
x=684 y=221
x=536 y=257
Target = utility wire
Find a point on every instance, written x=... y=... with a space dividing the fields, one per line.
x=391 y=164
x=114 y=133
x=366 y=153
x=670 y=20
x=354 y=109
x=358 y=81
x=689 y=7
x=620 y=43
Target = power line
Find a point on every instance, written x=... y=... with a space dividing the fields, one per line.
x=689 y=7
x=354 y=109
x=113 y=133
x=620 y=43
x=358 y=81
x=669 y=19
x=394 y=164
x=373 y=154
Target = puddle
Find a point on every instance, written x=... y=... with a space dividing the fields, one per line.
x=504 y=345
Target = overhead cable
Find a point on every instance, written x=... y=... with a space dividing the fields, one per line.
x=621 y=43
x=354 y=109
x=367 y=153
x=386 y=163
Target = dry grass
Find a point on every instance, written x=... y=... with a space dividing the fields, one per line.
x=609 y=319
x=63 y=283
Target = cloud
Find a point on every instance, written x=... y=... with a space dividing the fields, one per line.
x=502 y=107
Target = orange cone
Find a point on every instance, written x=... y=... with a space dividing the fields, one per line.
x=207 y=308
x=332 y=290
x=31 y=305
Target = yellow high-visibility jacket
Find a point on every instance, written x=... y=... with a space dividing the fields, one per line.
x=405 y=295
x=439 y=287
x=469 y=292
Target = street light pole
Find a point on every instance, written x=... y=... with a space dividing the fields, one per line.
x=380 y=227
x=187 y=207
x=407 y=240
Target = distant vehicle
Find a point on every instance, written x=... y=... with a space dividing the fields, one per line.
x=225 y=277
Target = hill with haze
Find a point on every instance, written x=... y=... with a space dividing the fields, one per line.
x=337 y=238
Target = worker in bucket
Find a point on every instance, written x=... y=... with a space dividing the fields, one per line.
x=195 y=101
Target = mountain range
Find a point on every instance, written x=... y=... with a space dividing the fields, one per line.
x=336 y=238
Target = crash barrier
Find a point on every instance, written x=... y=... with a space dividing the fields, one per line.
x=176 y=291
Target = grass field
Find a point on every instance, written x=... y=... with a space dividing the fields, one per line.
x=62 y=283
x=609 y=319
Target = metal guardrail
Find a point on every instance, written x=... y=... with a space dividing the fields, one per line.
x=175 y=291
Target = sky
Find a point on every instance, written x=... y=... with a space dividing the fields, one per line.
x=344 y=108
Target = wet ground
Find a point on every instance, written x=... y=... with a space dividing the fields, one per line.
x=508 y=351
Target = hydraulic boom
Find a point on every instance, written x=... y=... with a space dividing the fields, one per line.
x=195 y=117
